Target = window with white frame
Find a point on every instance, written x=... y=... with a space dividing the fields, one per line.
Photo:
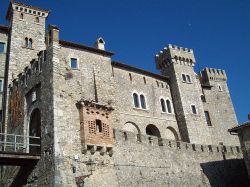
x=139 y=101
x=163 y=105
x=73 y=63
x=166 y=105
x=169 y=107
x=143 y=102
x=1 y=85
x=136 y=100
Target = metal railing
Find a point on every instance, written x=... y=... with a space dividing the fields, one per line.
x=19 y=143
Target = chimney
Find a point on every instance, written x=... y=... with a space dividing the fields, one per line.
x=100 y=43
x=53 y=34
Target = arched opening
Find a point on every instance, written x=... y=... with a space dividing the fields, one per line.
x=152 y=130
x=172 y=134
x=132 y=127
x=35 y=131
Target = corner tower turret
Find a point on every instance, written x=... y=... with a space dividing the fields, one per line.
x=177 y=63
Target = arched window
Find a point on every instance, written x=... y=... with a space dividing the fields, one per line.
x=163 y=105
x=21 y=16
x=169 y=106
x=30 y=43
x=26 y=42
x=136 y=100
x=143 y=103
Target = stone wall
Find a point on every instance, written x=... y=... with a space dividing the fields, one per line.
x=3 y=39
x=176 y=163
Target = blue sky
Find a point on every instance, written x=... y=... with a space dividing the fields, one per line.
x=218 y=31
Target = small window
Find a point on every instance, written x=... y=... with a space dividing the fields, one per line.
x=1 y=85
x=193 y=109
x=37 y=19
x=162 y=85
x=26 y=42
x=143 y=103
x=73 y=63
x=2 y=47
x=136 y=100
x=30 y=43
x=169 y=106
x=188 y=78
x=21 y=16
x=220 y=88
x=183 y=78
x=163 y=105
x=98 y=124
x=144 y=79
x=203 y=98
x=208 y=120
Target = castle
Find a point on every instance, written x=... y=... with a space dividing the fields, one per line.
x=105 y=123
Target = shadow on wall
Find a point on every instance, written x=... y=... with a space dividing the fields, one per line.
x=226 y=173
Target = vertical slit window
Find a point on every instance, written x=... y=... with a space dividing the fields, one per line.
x=136 y=100
x=193 y=109
x=143 y=103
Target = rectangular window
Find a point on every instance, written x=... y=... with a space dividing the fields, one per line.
x=193 y=109
x=2 y=47
x=208 y=120
x=73 y=63
x=1 y=115
x=1 y=85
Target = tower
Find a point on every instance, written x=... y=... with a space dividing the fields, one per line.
x=26 y=39
x=177 y=63
x=218 y=105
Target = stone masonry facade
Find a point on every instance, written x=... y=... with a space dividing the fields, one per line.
x=104 y=123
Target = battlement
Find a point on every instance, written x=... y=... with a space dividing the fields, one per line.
x=30 y=71
x=174 y=54
x=123 y=136
x=27 y=9
x=212 y=74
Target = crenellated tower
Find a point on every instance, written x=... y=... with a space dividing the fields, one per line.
x=26 y=39
x=177 y=63
x=218 y=105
